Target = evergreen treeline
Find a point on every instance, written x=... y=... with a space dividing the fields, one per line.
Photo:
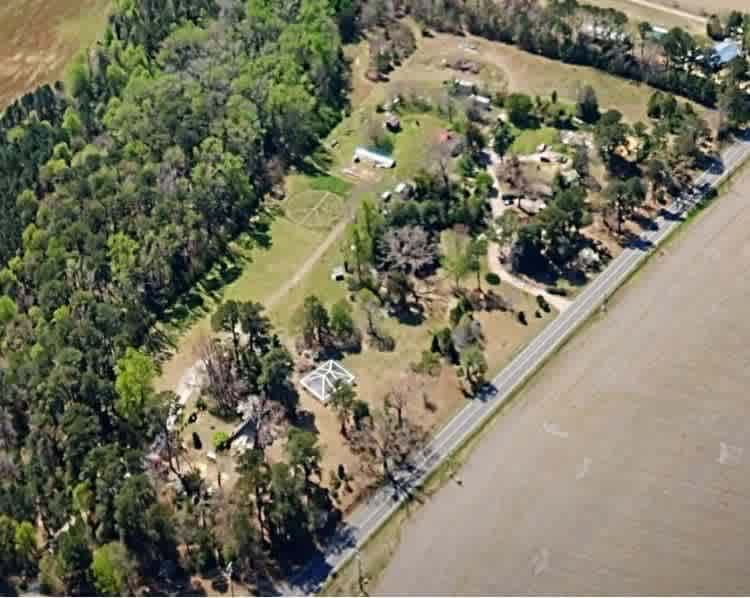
x=116 y=197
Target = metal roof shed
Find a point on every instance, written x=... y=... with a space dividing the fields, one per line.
x=726 y=51
x=380 y=160
x=323 y=380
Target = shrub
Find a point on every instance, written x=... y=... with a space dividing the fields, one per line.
x=429 y=363
x=201 y=404
x=360 y=411
x=522 y=318
x=221 y=441
x=520 y=110
x=197 y=444
x=557 y=291
x=462 y=308
x=342 y=322
x=587 y=106
x=386 y=343
x=204 y=557
x=442 y=342
x=492 y=278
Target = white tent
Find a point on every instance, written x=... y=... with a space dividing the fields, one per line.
x=322 y=381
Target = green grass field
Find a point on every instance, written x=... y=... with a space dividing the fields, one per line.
x=529 y=139
x=330 y=184
x=312 y=209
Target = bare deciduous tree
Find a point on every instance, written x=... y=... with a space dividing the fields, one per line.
x=408 y=249
x=224 y=383
x=387 y=443
x=408 y=388
x=511 y=173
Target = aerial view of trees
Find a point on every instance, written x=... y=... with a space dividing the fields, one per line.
x=123 y=187
x=118 y=192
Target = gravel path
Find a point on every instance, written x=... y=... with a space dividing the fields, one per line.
x=674 y=11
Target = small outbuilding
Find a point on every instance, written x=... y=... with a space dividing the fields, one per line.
x=404 y=190
x=338 y=274
x=657 y=32
x=481 y=101
x=362 y=154
x=464 y=86
x=322 y=381
x=570 y=176
x=725 y=52
x=392 y=123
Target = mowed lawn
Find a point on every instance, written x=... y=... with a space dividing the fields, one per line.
x=529 y=140
x=39 y=37
x=306 y=220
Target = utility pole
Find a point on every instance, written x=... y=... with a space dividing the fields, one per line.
x=229 y=578
x=361 y=578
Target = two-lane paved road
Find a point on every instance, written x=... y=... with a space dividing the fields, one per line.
x=366 y=520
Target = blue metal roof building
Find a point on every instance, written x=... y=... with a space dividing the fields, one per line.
x=725 y=52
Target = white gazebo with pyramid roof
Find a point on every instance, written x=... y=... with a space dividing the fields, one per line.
x=322 y=381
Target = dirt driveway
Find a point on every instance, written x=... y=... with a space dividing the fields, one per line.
x=624 y=468
x=699 y=7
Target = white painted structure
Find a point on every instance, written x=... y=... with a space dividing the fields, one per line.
x=323 y=380
x=483 y=101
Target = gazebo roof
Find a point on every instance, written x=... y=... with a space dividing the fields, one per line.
x=322 y=381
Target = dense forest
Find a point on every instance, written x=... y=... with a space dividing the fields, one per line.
x=117 y=193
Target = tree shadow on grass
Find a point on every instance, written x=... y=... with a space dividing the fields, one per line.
x=670 y=215
x=645 y=222
x=194 y=304
x=308 y=578
x=194 y=588
x=711 y=163
x=632 y=241
x=411 y=314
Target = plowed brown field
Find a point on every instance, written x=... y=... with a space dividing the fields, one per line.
x=40 y=36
